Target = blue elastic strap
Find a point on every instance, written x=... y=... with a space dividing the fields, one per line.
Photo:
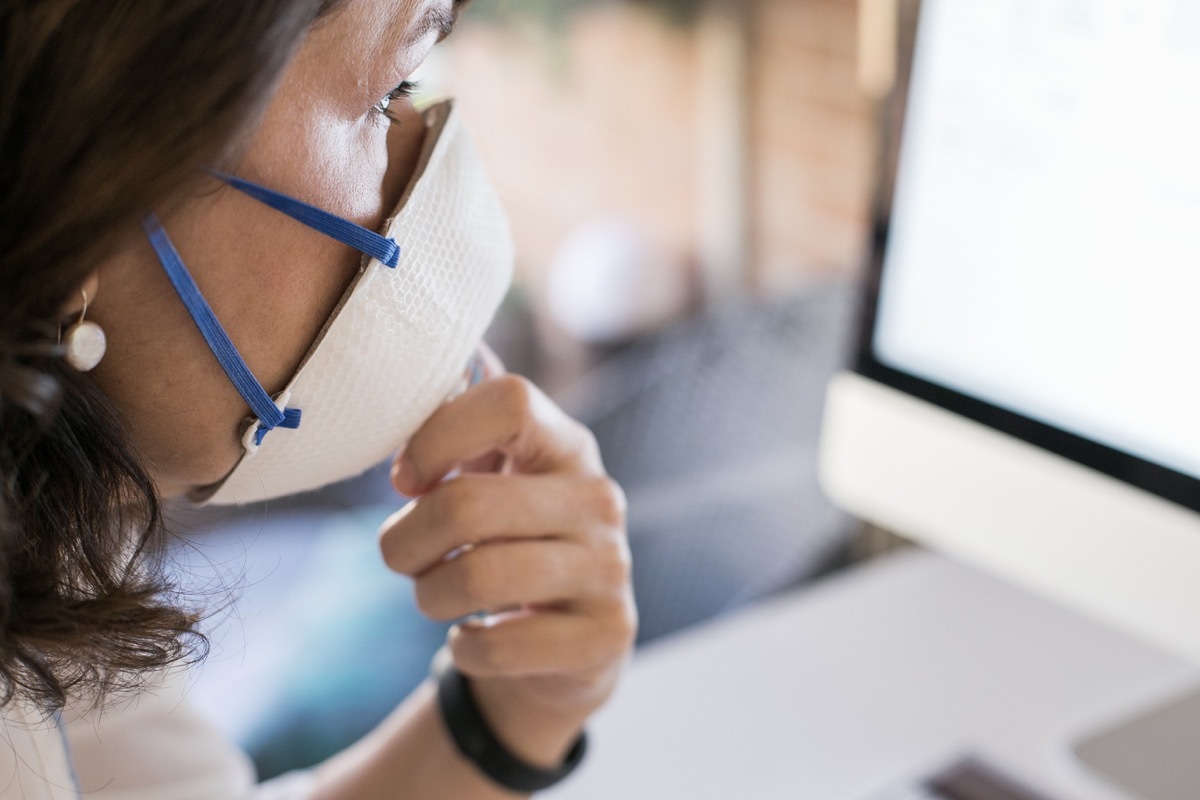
x=269 y=415
x=66 y=743
x=343 y=230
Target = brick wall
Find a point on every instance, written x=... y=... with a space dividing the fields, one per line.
x=600 y=118
x=812 y=142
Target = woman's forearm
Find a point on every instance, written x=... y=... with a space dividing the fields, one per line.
x=541 y=547
x=411 y=755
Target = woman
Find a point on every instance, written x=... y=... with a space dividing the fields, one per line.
x=193 y=303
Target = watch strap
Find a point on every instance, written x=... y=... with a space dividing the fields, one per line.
x=476 y=741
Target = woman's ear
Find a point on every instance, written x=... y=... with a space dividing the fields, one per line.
x=85 y=294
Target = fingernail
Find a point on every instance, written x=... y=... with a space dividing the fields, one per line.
x=404 y=476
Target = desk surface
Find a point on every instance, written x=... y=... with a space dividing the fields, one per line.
x=880 y=674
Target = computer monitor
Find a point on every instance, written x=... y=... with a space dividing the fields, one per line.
x=1027 y=392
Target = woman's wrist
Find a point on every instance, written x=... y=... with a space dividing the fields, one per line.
x=537 y=734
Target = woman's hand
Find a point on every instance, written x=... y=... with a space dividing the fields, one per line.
x=538 y=546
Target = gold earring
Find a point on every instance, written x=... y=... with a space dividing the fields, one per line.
x=85 y=341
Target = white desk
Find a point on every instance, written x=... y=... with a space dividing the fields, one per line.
x=883 y=673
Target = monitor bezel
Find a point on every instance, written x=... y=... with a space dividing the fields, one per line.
x=1167 y=483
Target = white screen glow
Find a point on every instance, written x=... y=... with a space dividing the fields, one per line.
x=1045 y=239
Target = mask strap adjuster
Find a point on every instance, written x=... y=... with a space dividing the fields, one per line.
x=270 y=414
x=385 y=250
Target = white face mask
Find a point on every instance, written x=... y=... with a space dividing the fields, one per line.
x=402 y=340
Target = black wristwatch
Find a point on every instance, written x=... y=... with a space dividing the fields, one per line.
x=478 y=744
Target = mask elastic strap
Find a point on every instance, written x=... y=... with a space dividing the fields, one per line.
x=385 y=250
x=270 y=416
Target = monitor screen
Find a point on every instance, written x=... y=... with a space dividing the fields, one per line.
x=1041 y=262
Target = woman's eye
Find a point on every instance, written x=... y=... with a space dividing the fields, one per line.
x=405 y=89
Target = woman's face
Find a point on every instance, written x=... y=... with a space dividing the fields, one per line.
x=270 y=281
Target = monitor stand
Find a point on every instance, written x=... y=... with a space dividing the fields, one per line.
x=1155 y=755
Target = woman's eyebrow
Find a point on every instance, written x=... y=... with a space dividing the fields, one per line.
x=435 y=20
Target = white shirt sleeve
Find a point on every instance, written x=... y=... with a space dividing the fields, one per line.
x=292 y=786
x=33 y=759
x=155 y=745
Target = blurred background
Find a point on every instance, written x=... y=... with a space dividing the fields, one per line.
x=689 y=183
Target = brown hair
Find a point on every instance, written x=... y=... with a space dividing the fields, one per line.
x=107 y=108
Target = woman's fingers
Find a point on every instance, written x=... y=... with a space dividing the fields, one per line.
x=545 y=643
x=475 y=508
x=504 y=575
x=538 y=546
x=507 y=415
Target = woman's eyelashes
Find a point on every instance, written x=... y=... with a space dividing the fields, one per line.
x=405 y=89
